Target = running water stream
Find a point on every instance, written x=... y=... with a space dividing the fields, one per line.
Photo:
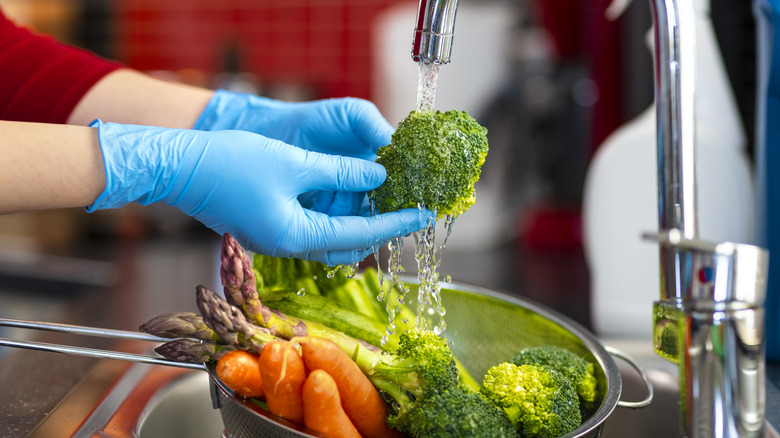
x=429 y=311
x=427 y=79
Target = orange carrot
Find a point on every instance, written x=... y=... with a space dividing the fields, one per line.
x=322 y=411
x=283 y=374
x=360 y=399
x=239 y=370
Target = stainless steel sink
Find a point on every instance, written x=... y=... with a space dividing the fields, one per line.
x=661 y=417
x=182 y=408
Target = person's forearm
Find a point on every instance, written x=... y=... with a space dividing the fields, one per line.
x=47 y=166
x=128 y=96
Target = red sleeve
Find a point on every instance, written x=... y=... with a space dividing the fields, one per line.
x=42 y=80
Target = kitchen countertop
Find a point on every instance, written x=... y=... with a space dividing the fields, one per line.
x=40 y=389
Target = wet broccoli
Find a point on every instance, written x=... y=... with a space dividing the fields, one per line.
x=454 y=413
x=434 y=160
x=539 y=401
x=579 y=371
x=420 y=384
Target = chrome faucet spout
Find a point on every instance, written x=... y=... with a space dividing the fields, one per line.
x=434 y=30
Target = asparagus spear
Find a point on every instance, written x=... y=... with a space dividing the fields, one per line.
x=229 y=323
x=240 y=287
x=189 y=350
x=179 y=325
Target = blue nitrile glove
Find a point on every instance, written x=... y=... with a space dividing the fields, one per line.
x=347 y=126
x=248 y=185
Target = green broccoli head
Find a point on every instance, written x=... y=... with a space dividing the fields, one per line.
x=415 y=379
x=454 y=413
x=422 y=365
x=434 y=160
x=579 y=371
x=539 y=401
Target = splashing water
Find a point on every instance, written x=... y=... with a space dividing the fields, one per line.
x=349 y=270
x=430 y=311
x=428 y=257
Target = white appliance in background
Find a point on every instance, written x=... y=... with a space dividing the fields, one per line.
x=621 y=196
x=482 y=54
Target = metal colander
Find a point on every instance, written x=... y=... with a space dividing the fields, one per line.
x=486 y=328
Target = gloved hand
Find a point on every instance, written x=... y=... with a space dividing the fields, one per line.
x=248 y=185
x=348 y=126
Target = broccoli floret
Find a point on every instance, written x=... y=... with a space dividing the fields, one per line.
x=454 y=413
x=423 y=365
x=575 y=368
x=419 y=382
x=539 y=401
x=434 y=160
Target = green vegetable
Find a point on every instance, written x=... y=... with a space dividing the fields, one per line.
x=349 y=305
x=451 y=413
x=291 y=274
x=327 y=312
x=421 y=387
x=434 y=160
x=276 y=277
x=539 y=401
x=575 y=368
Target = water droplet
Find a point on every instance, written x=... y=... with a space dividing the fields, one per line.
x=301 y=292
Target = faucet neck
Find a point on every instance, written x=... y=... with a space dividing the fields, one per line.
x=675 y=71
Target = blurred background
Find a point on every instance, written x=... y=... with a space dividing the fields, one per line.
x=550 y=79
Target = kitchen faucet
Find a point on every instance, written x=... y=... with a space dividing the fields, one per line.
x=710 y=317
x=433 y=31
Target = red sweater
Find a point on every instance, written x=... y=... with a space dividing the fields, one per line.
x=42 y=80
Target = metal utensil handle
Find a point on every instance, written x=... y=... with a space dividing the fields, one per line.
x=80 y=330
x=101 y=354
x=89 y=352
x=645 y=378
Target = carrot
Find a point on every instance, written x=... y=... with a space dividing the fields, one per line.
x=283 y=374
x=239 y=370
x=322 y=411
x=360 y=399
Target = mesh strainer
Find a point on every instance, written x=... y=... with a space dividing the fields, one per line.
x=486 y=328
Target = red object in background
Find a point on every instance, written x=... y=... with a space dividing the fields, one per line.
x=552 y=228
x=322 y=44
x=561 y=19
x=581 y=31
